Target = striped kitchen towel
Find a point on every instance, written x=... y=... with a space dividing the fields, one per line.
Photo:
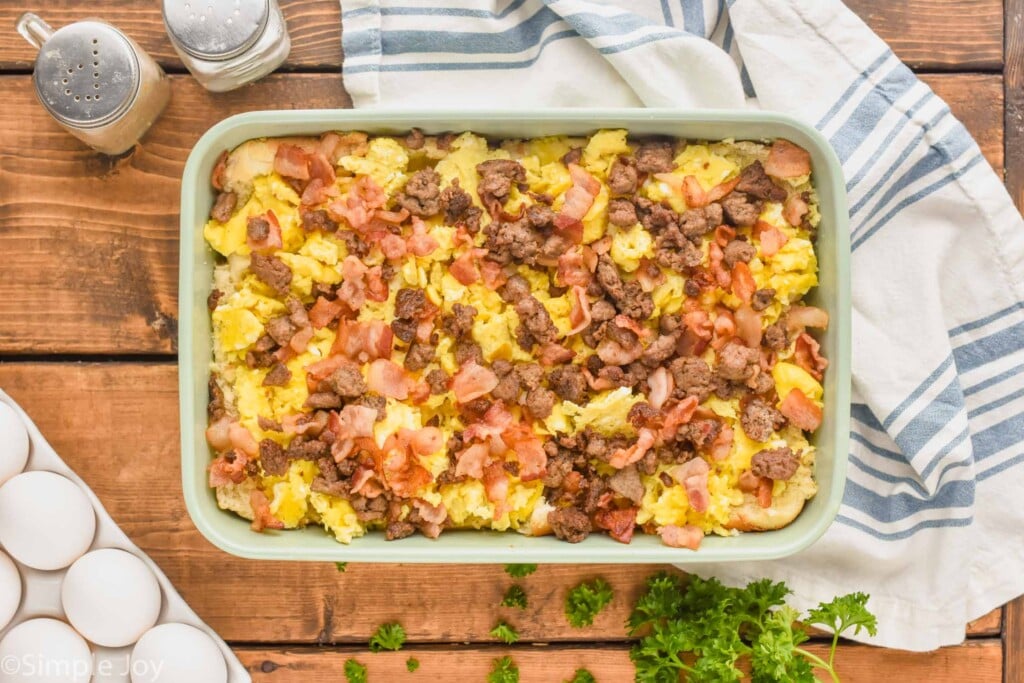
x=931 y=520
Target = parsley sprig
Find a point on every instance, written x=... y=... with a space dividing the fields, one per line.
x=504 y=671
x=387 y=637
x=515 y=596
x=505 y=633
x=355 y=672
x=582 y=676
x=583 y=602
x=700 y=629
x=520 y=570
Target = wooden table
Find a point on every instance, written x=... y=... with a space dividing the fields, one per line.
x=88 y=315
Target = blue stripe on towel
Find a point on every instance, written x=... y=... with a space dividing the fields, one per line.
x=905 y=533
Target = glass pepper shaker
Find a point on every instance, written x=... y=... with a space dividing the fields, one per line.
x=96 y=82
x=227 y=43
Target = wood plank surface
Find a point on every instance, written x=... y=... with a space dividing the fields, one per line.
x=1013 y=642
x=975 y=662
x=91 y=242
x=116 y=425
x=1014 y=109
x=927 y=34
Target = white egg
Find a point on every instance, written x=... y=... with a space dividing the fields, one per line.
x=46 y=520
x=111 y=597
x=13 y=443
x=45 y=651
x=10 y=590
x=177 y=653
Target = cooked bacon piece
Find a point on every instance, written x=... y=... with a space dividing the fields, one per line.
x=263 y=233
x=743 y=284
x=678 y=415
x=772 y=239
x=388 y=379
x=694 y=194
x=363 y=341
x=724 y=234
x=718 y=271
x=807 y=355
x=403 y=472
x=764 y=492
x=353 y=421
x=470 y=461
x=693 y=475
x=721 y=447
x=431 y=514
x=496 y=486
x=217 y=176
x=324 y=312
x=786 y=160
x=365 y=483
x=243 y=440
x=794 y=210
x=228 y=469
x=579 y=314
x=688 y=536
x=376 y=288
x=322 y=369
x=473 y=381
x=805 y=316
x=420 y=243
x=699 y=322
x=465 y=267
x=291 y=162
x=495 y=421
x=573 y=270
x=748 y=326
x=494 y=277
x=649 y=275
x=218 y=434
x=529 y=450
x=722 y=189
x=661 y=385
x=320 y=168
x=801 y=411
x=748 y=482
x=578 y=200
x=553 y=354
x=620 y=524
x=724 y=328
x=392 y=246
x=627 y=456
x=261 y=515
x=358 y=205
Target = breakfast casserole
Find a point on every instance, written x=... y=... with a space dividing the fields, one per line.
x=561 y=335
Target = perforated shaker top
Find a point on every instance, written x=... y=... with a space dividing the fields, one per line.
x=87 y=74
x=216 y=29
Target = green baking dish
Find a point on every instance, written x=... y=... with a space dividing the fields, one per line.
x=232 y=534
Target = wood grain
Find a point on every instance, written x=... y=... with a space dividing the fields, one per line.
x=962 y=36
x=90 y=242
x=116 y=425
x=1013 y=642
x=975 y=662
x=1014 y=110
x=928 y=34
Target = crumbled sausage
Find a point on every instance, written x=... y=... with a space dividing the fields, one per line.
x=281 y=330
x=569 y=524
x=573 y=156
x=540 y=402
x=415 y=139
x=346 y=382
x=468 y=352
x=398 y=530
x=569 y=383
x=419 y=356
x=257 y=228
x=740 y=210
x=268 y=425
x=272 y=458
x=213 y=300
x=775 y=337
x=602 y=310
x=410 y=303
x=355 y=245
x=536 y=319
x=626 y=482
x=622 y=213
x=659 y=350
x=779 y=464
x=422 y=193
x=224 y=207
x=654 y=157
x=278 y=376
x=654 y=217
x=508 y=387
x=755 y=182
x=737 y=363
x=762 y=299
x=437 y=379
x=622 y=178
x=378 y=403
x=460 y=323
x=458 y=207
x=736 y=251
x=640 y=413
x=540 y=216
x=530 y=375
x=496 y=178
x=672 y=250
x=404 y=329
x=323 y=399
x=692 y=377
x=272 y=271
x=511 y=240
x=759 y=420
x=317 y=220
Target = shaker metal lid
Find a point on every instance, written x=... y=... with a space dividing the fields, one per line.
x=215 y=29
x=87 y=74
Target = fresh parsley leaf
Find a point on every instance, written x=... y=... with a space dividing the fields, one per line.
x=412 y=664
x=841 y=614
x=515 y=596
x=775 y=655
x=582 y=676
x=585 y=601
x=661 y=601
x=520 y=570
x=388 y=637
x=505 y=633
x=341 y=566
x=355 y=672
x=504 y=671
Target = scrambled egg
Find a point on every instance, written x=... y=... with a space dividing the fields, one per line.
x=315 y=258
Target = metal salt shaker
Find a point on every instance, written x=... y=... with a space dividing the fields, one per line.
x=227 y=43
x=96 y=82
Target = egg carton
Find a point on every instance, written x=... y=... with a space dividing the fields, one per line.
x=41 y=590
